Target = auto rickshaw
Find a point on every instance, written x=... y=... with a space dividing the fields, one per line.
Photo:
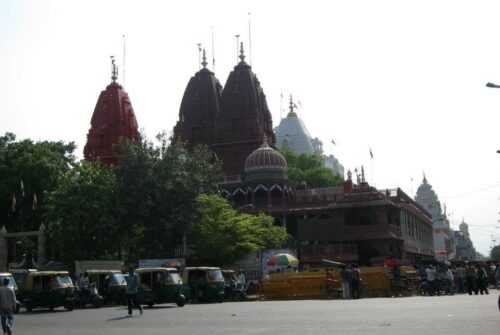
x=110 y=284
x=205 y=283
x=159 y=286
x=47 y=289
x=12 y=285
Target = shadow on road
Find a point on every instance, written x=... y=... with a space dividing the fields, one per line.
x=118 y=318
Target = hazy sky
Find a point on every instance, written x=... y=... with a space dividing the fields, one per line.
x=406 y=78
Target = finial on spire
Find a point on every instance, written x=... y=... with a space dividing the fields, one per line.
x=363 y=174
x=425 y=179
x=292 y=105
x=114 y=70
x=242 y=52
x=204 y=60
x=264 y=141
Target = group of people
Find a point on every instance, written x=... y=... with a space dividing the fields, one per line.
x=350 y=276
x=461 y=278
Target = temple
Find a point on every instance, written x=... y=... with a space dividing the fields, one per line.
x=353 y=222
x=112 y=121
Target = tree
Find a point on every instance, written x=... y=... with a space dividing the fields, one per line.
x=495 y=253
x=221 y=236
x=82 y=214
x=158 y=186
x=309 y=169
x=28 y=172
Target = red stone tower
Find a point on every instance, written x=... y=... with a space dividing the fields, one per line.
x=113 y=120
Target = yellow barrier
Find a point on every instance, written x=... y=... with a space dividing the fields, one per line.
x=375 y=282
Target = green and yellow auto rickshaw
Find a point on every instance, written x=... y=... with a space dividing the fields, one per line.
x=47 y=289
x=159 y=286
x=205 y=284
x=110 y=284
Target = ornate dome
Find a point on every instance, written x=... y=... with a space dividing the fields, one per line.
x=265 y=164
x=292 y=133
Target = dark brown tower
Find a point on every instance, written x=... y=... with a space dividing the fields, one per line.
x=200 y=106
x=243 y=121
x=113 y=120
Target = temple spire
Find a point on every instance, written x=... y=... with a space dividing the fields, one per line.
x=114 y=70
x=242 y=52
x=292 y=105
x=425 y=179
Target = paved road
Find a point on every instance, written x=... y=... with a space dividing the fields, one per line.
x=457 y=315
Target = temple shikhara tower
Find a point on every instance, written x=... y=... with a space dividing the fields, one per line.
x=233 y=120
x=113 y=120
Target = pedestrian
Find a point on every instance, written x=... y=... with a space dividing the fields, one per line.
x=356 y=282
x=132 y=289
x=7 y=306
x=450 y=282
x=460 y=277
x=471 y=279
x=482 y=279
x=497 y=276
x=430 y=272
x=346 y=276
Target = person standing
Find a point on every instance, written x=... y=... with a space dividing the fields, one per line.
x=450 y=282
x=346 y=276
x=132 y=290
x=482 y=279
x=356 y=282
x=7 y=306
x=460 y=274
x=430 y=273
x=471 y=279
x=497 y=276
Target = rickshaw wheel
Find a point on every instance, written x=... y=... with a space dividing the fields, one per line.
x=69 y=307
x=150 y=304
x=29 y=308
x=181 y=301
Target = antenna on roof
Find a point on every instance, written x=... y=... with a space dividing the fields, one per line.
x=199 y=54
x=114 y=70
x=213 y=49
x=123 y=61
x=250 y=38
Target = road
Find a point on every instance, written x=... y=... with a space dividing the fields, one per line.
x=457 y=315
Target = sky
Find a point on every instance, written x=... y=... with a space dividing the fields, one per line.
x=404 y=78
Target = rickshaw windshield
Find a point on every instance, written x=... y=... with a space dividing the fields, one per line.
x=118 y=279
x=215 y=275
x=174 y=277
x=64 y=281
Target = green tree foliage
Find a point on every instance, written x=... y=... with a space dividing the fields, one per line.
x=38 y=165
x=495 y=253
x=309 y=169
x=82 y=214
x=158 y=186
x=222 y=235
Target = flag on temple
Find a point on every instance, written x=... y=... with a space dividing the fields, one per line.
x=13 y=205
x=35 y=201
x=371 y=153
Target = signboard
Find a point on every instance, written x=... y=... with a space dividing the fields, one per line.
x=162 y=263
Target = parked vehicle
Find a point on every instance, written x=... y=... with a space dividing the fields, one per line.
x=110 y=284
x=232 y=289
x=88 y=296
x=159 y=286
x=205 y=283
x=47 y=289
